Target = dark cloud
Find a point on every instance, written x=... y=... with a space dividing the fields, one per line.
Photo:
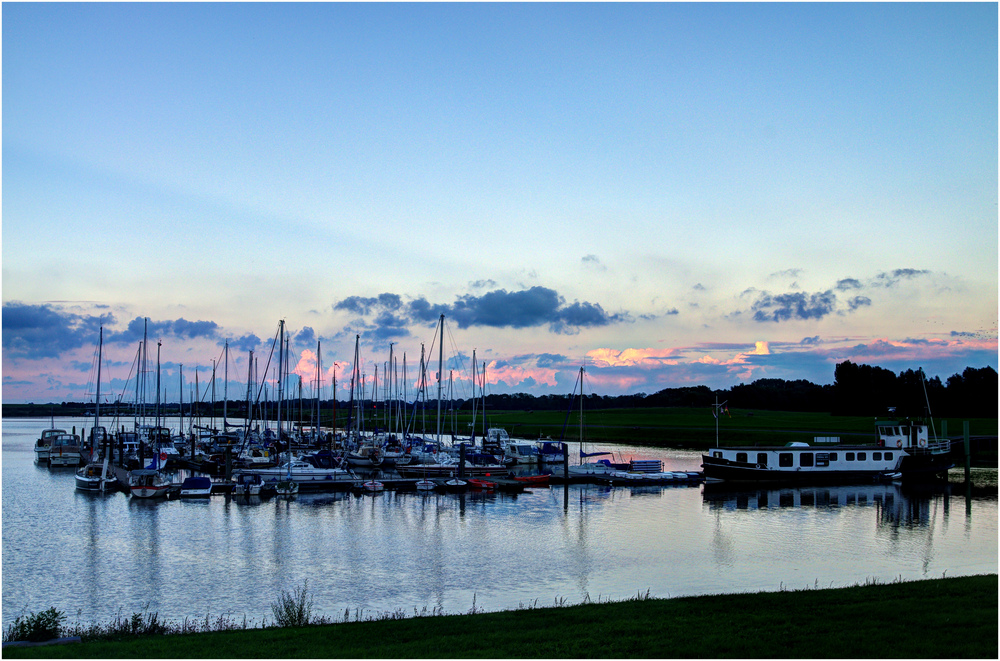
x=247 y=343
x=482 y=284
x=890 y=279
x=363 y=306
x=181 y=328
x=793 y=306
x=810 y=340
x=848 y=283
x=858 y=302
x=41 y=331
x=550 y=359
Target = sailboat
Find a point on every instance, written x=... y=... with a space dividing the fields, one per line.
x=598 y=468
x=94 y=476
x=286 y=486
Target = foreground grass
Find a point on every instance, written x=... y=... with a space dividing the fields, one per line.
x=942 y=618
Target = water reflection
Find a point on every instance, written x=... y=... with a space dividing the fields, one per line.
x=895 y=504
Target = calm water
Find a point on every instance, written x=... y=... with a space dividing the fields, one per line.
x=93 y=554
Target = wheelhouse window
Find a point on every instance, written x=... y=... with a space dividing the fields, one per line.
x=862 y=456
x=806 y=459
x=762 y=459
x=848 y=456
x=877 y=456
x=785 y=459
x=888 y=456
x=833 y=456
x=741 y=457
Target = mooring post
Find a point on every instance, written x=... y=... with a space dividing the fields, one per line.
x=968 y=451
x=565 y=450
x=461 y=460
x=229 y=463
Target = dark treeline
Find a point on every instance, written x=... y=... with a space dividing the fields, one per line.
x=857 y=390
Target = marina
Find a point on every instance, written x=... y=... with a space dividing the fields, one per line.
x=414 y=549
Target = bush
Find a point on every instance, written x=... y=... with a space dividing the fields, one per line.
x=293 y=609
x=35 y=627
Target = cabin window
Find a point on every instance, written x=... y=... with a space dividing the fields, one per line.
x=741 y=457
x=862 y=456
x=877 y=456
x=888 y=456
x=833 y=456
x=785 y=459
x=762 y=459
x=717 y=455
x=806 y=459
x=848 y=456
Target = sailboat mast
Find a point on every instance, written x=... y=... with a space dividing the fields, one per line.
x=225 y=392
x=281 y=351
x=440 y=375
x=158 y=383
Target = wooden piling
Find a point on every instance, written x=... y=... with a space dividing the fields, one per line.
x=968 y=452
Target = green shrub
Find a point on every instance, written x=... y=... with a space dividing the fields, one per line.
x=35 y=627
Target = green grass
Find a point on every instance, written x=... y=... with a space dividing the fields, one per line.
x=682 y=427
x=942 y=618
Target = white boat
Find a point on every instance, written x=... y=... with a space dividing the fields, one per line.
x=248 y=484
x=902 y=447
x=94 y=477
x=366 y=456
x=373 y=486
x=298 y=471
x=44 y=442
x=425 y=485
x=196 y=486
x=148 y=483
x=521 y=452
x=65 y=450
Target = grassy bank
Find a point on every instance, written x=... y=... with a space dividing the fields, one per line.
x=942 y=618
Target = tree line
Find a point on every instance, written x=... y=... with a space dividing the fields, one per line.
x=857 y=389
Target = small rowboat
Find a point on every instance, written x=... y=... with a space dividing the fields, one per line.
x=533 y=480
x=373 y=486
x=425 y=485
x=484 y=485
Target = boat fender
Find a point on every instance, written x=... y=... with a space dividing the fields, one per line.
x=759 y=466
x=899 y=444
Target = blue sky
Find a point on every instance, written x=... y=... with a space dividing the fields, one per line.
x=672 y=194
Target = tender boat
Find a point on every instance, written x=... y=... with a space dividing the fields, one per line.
x=903 y=447
x=373 y=486
x=197 y=486
x=533 y=480
x=482 y=485
x=425 y=485
x=94 y=477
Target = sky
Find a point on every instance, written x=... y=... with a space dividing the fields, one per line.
x=668 y=195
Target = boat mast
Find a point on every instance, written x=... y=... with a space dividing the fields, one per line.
x=281 y=351
x=225 y=393
x=319 y=385
x=158 y=384
x=439 y=375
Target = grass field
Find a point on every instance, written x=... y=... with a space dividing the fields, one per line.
x=941 y=618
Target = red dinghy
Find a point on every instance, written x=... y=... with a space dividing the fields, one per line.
x=533 y=480
x=485 y=485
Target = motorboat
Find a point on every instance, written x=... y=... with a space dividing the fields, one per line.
x=95 y=477
x=299 y=471
x=248 y=484
x=196 y=486
x=44 y=442
x=65 y=450
x=521 y=452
